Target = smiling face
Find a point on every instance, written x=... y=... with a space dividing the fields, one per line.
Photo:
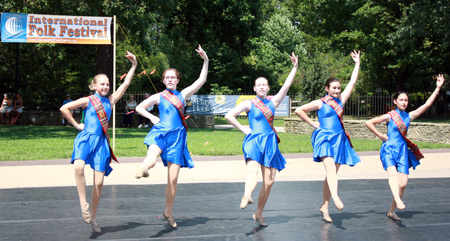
x=334 y=89
x=401 y=101
x=101 y=84
x=171 y=79
x=261 y=87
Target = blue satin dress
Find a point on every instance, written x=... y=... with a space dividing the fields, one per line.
x=170 y=135
x=91 y=144
x=394 y=151
x=261 y=143
x=329 y=140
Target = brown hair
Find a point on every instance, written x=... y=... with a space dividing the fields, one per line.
x=171 y=69
x=94 y=80
x=331 y=80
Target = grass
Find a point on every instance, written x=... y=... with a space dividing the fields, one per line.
x=19 y=143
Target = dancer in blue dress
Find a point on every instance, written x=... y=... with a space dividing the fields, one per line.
x=91 y=145
x=330 y=143
x=395 y=156
x=261 y=141
x=168 y=135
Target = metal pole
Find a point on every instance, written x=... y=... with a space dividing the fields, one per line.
x=17 y=67
x=114 y=81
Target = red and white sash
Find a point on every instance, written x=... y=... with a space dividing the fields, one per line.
x=404 y=131
x=339 y=111
x=175 y=102
x=103 y=118
x=267 y=113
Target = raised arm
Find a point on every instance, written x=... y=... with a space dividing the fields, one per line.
x=65 y=111
x=311 y=106
x=380 y=119
x=278 y=98
x=121 y=90
x=419 y=111
x=231 y=116
x=349 y=89
x=190 y=90
x=144 y=105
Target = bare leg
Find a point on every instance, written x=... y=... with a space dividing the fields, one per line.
x=402 y=181
x=80 y=181
x=331 y=169
x=8 y=118
x=268 y=180
x=97 y=191
x=250 y=182
x=14 y=119
x=395 y=188
x=149 y=162
x=329 y=187
x=171 y=190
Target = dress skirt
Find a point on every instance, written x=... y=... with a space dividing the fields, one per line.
x=263 y=148
x=173 y=144
x=327 y=143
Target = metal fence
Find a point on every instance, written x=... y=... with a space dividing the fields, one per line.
x=357 y=107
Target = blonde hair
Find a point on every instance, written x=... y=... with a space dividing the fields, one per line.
x=94 y=80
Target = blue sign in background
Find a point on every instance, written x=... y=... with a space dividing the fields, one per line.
x=221 y=104
x=14 y=27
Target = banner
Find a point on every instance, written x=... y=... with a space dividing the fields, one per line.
x=221 y=104
x=38 y=28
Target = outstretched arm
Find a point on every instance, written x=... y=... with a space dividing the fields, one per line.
x=121 y=90
x=278 y=98
x=190 y=90
x=349 y=89
x=419 y=111
x=371 y=125
x=65 y=111
x=231 y=116
x=311 y=106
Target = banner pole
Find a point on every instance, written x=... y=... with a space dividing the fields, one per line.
x=114 y=81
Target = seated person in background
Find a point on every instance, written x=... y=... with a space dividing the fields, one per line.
x=129 y=111
x=67 y=100
x=17 y=109
x=143 y=120
x=6 y=108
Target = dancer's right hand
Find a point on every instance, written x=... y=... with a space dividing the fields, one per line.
x=384 y=138
x=155 y=120
x=80 y=126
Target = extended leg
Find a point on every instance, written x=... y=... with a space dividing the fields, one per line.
x=250 y=183
x=149 y=162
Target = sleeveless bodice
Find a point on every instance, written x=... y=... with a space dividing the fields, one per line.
x=168 y=114
x=91 y=121
x=257 y=121
x=328 y=118
x=393 y=133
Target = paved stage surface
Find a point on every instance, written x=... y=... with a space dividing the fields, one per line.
x=38 y=201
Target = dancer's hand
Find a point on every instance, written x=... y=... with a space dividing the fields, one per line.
x=247 y=131
x=355 y=56
x=155 y=120
x=440 y=81
x=132 y=58
x=202 y=53
x=316 y=125
x=384 y=138
x=80 y=126
x=294 y=59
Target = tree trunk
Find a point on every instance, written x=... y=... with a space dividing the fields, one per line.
x=105 y=60
x=401 y=78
